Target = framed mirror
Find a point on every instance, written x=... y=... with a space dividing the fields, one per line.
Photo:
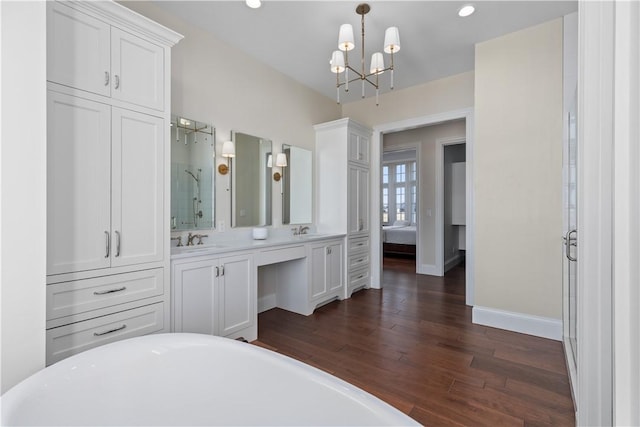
x=297 y=186
x=192 y=174
x=251 y=181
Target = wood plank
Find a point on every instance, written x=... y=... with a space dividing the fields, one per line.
x=413 y=345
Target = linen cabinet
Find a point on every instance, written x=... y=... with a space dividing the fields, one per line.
x=108 y=115
x=343 y=194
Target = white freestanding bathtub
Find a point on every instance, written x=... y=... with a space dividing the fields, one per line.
x=189 y=379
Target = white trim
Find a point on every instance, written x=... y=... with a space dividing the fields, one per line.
x=594 y=250
x=376 y=150
x=452 y=262
x=440 y=144
x=429 y=269
x=544 y=327
x=626 y=272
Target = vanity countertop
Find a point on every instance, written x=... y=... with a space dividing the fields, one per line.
x=222 y=247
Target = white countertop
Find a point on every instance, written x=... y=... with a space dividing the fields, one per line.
x=225 y=246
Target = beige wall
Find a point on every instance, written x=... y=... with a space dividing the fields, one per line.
x=426 y=138
x=435 y=97
x=518 y=171
x=215 y=83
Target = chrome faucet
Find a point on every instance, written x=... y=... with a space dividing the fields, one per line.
x=303 y=230
x=179 y=239
x=191 y=236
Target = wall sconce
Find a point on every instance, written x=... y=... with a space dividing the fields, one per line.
x=281 y=162
x=228 y=151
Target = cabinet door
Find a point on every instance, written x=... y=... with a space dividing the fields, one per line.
x=334 y=266
x=237 y=297
x=78 y=53
x=78 y=184
x=194 y=299
x=358 y=148
x=358 y=199
x=138 y=70
x=363 y=200
x=318 y=273
x=137 y=188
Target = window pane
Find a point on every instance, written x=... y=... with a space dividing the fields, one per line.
x=401 y=173
x=385 y=174
x=413 y=204
x=413 y=171
x=400 y=204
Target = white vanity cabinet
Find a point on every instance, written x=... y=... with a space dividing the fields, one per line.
x=108 y=115
x=87 y=53
x=326 y=271
x=343 y=193
x=215 y=296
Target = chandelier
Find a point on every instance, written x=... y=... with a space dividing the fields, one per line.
x=340 y=61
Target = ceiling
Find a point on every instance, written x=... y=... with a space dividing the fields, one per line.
x=297 y=37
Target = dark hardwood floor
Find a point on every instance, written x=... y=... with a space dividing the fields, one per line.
x=413 y=345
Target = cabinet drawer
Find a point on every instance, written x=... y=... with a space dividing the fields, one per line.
x=358 y=278
x=67 y=340
x=358 y=261
x=69 y=298
x=274 y=256
x=358 y=244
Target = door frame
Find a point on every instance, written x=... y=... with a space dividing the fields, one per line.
x=441 y=143
x=376 y=202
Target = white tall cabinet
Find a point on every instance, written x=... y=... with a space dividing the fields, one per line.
x=108 y=115
x=343 y=194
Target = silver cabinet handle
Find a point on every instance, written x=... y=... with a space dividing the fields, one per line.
x=217 y=272
x=98 y=334
x=110 y=291
x=117 y=243
x=222 y=270
x=106 y=233
x=117 y=81
x=569 y=241
x=360 y=260
x=106 y=78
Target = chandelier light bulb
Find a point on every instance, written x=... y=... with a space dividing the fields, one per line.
x=345 y=38
x=392 y=40
x=337 y=62
x=377 y=63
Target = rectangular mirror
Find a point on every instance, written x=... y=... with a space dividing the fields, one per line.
x=297 y=186
x=251 y=182
x=192 y=174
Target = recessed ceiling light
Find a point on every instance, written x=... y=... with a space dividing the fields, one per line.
x=253 y=4
x=466 y=10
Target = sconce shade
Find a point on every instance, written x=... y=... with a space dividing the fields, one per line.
x=269 y=161
x=345 y=38
x=228 y=149
x=392 y=40
x=281 y=160
x=377 y=63
x=337 y=62
x=253 y=4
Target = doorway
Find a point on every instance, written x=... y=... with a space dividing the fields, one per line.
x=426 y=243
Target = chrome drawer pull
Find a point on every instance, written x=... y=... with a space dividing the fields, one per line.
x=361 y=276
x=98 y=334
x=110 y=291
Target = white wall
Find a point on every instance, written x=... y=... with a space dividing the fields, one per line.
x=214 y=83
x=518 y=171
x=23 y=188
x=426 y=137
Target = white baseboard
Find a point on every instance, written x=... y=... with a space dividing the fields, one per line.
x=429 y=269
x=452 y=262
x=538 y=326
x=267 y=302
